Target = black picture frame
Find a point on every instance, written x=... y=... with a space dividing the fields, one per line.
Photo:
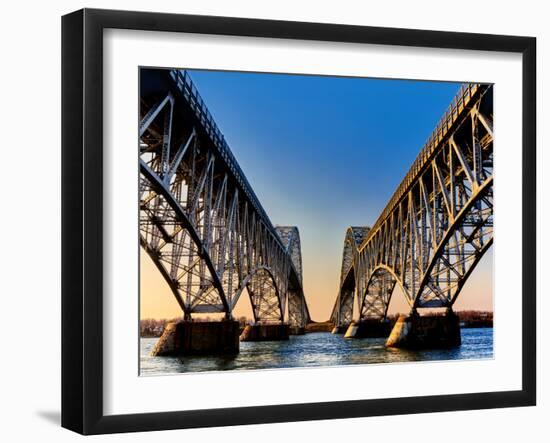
x=82 y=220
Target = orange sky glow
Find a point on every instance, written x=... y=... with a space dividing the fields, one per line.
x=321 y=276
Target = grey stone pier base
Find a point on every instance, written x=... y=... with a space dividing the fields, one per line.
x=425 y=332
x=340 y=329
x=267 y=332
x=297 y=330
x=368 y=329
x=196 y=338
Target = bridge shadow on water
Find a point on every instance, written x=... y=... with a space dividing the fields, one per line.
x=314 y=350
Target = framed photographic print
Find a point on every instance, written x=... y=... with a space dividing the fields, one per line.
x=253 y=209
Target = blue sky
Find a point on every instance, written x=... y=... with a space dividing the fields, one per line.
x=326 y=148
x=323 y=153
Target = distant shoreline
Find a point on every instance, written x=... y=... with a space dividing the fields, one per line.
x=153 y=328
x=467 y=326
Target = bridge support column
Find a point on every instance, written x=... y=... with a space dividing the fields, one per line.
x=196 y=338
x=265 y=332
x=297 y=330
x=340 y=329
x=424 y=332
x=370 y=328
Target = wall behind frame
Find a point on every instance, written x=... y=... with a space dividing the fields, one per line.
x=30 y=221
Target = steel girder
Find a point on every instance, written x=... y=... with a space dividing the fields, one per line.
x=342 y=313
x=298 y=312
x=437 y=225
x=200 y=221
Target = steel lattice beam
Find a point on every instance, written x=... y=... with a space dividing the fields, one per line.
x=200 y=221
x=437 y=225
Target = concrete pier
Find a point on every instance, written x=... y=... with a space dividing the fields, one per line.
x=340 y=329
x=297 y=330
x=368 y=329
x=422 y=332
x=196 y=338
x=265 y=332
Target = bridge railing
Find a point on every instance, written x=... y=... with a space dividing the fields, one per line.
x=460 y=101
x=191 y=94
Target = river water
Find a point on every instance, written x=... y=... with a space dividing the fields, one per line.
x=313 y=349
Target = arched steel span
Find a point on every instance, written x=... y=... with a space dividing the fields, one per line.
x=436 y=226
x=200 y=221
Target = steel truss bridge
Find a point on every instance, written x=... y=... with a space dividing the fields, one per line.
x=200 y=221
x=436 y=226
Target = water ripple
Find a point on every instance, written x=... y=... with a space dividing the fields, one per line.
x=315 y=349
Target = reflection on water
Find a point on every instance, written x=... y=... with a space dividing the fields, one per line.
x=315 y=349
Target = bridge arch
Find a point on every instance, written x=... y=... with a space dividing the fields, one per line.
x=180 y=217
x=342 y=312
x=263 y=304
x=455 y=240
x=378 y=292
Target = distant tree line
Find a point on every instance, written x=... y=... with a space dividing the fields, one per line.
x=468 y=319
x=153 y=327
x=476 y=319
